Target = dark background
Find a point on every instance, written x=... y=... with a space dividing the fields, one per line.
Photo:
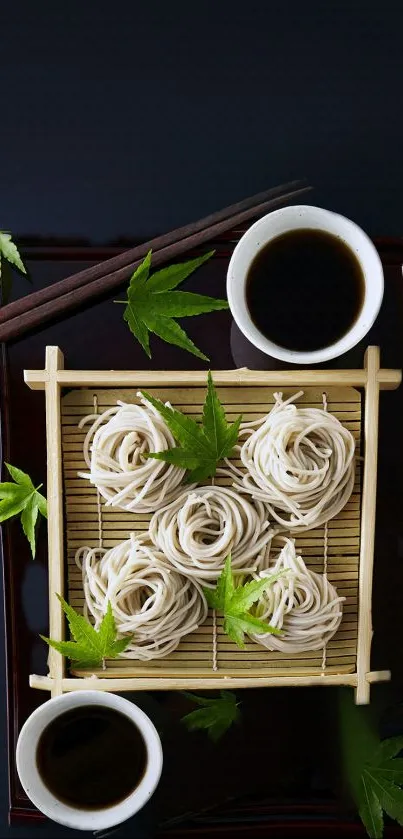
x=129 y=118
x=133 y=117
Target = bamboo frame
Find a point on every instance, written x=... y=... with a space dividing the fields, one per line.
x=55 y=363
x=115 y=685
x=368 y=514
x=37 y=379
x=54 y=377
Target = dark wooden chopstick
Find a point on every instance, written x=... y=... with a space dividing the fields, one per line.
x=37 y=308
x=127 y=258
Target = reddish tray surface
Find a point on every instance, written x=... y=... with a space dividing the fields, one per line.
x=97 y=338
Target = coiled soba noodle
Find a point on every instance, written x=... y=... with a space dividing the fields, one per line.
x=299 y=462
x=149 y=598
x=115 y=450
x=198 y=530
x=302 y=603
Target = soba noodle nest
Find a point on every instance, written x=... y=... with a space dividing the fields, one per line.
x=148 y=597
x=299 y=462
x=198 y=530
x=303 y=604
x=115 y=451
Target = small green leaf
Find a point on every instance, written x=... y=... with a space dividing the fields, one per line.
x=390 y=796
x=254 y=626
x=205 y=470
x=80 y=628
x=9 y=490
x=179 y=304
x=152 y=304
x=179 y=457
x=231 y=437
x=140 y=276
x=225 y=585
x=29 y=516
x=373 y=776
x=201 y=447
x=222 y=436
x=118 y=647
x=11 y=506
x=236 y=626
x=170 y=332
x=42 y=504
x=10 y=252
x=234 y=603
x=131 y=313
x=248 y=594
x=370 y=812
x=168 y=278
x=69 y=649
x=107 y=630
x=22 y=497
x=20 y=477
x=136 y=325
x=185 y=430
x=211 y=597
x=90 y=647
x=215 y=715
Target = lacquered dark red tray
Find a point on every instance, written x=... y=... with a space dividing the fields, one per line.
x=197 y=776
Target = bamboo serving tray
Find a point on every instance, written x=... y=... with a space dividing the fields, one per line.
x=207 y=658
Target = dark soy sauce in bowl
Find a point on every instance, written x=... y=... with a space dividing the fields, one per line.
x=91 y=757
x=305 y=289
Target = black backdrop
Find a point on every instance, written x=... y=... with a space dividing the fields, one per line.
x=132 y=117
x=129 y=118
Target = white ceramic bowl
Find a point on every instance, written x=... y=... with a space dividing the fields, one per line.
x=292 y=218
x=48 y=803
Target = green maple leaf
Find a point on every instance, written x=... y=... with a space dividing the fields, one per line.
x=9 y=255
x=370 y=811
x=383 y=775
x=374 y=773
x=24 y=499
x=10 y=252
x=215 y=715
x=90 y=647
x=201 y=447
x=380 y=788
x=234 y=602
x=152 y=304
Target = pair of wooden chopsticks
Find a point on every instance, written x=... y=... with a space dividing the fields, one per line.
x=41 y=306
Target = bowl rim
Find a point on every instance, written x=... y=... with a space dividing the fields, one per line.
x=294 y=217
x=57 y=810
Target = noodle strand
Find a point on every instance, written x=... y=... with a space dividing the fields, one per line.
x=198 y=530
x=115 y=450
x=301 y=603
x=299 y=462
x=148 y=597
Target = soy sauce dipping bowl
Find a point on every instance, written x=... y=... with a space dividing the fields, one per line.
x=57 y=810
x=304 y=217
